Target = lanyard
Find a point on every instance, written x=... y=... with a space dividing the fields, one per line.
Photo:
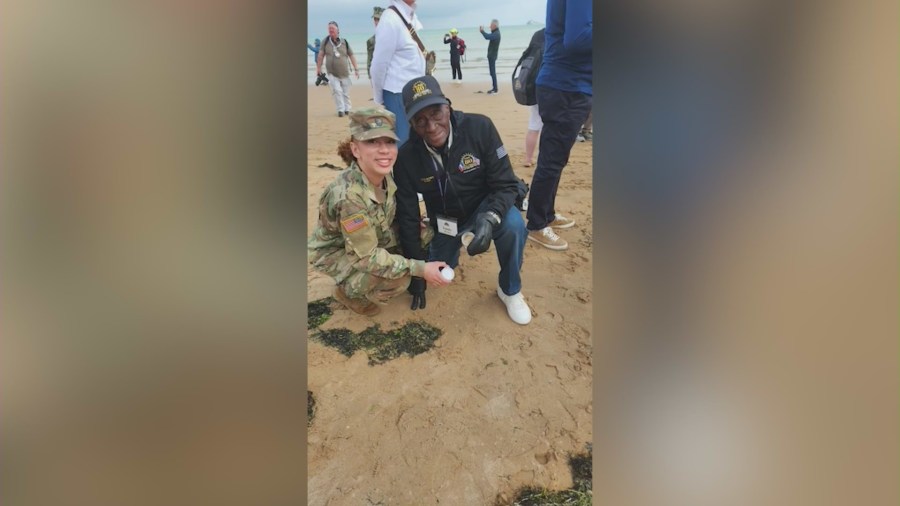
x=440 y=174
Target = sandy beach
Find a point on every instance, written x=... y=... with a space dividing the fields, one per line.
x=495 y=406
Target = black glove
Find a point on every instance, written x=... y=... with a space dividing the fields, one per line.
x=484 y=232
x=417 y=289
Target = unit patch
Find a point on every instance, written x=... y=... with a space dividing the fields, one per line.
x=501 y=152
x=468 y=162
x=355 y=222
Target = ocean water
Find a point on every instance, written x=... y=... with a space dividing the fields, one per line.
x=513 y=41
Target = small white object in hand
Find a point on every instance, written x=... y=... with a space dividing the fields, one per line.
x=466 y=238
x=447 y=273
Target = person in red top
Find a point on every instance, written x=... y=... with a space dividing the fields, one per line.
x=452 y=39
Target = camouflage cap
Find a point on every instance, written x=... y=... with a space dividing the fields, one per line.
x=376 y=13
x=372 y=122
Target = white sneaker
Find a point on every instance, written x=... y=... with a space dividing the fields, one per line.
x=516 y=307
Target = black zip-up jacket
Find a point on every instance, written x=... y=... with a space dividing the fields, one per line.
x=478 y=169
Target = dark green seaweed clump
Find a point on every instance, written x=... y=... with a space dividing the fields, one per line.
x=579 y=495
x=411 y=339
x=318 y=312
x=310 y=407
x=541 y=497
x=582 y=472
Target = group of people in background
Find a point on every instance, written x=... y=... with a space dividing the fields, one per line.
x=371 y=236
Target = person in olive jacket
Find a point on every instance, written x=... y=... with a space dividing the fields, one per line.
x=458 y=163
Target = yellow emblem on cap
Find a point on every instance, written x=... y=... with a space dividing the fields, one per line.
x=419 y=89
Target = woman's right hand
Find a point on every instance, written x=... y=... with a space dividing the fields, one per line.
x=433 y=273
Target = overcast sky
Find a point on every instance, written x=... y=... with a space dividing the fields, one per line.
x=354 y=16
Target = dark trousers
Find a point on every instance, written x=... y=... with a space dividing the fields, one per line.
x=454 y=66
x=492 y=67
x=563 y=114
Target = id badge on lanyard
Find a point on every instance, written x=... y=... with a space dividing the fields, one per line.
x=447 y=225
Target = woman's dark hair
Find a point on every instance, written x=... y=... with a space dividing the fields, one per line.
x=344 y=151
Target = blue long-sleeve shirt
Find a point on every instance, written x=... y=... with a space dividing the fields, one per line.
x=494 y=42
x=568 y=54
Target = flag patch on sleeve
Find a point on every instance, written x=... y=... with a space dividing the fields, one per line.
x=501 y=152
x=355 y=222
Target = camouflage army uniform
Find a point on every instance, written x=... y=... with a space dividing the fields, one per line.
x=370 y=47
x=370 y=44
x=355 y=242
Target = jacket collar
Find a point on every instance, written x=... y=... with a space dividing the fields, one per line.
x=368 y=187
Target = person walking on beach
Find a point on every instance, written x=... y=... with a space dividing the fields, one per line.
x=493 y=49
x=338 y=57
x=354 y=241
x=564 y=100
x=370 y=44
x=458 y=163
x=398 y=57
x=453 y=39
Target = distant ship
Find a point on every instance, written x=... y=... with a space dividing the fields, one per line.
x=532 y=22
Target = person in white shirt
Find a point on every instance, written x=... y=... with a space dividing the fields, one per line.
x=397 y=59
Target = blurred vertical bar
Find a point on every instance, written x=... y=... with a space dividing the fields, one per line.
x=746 y=256
x=153 y=252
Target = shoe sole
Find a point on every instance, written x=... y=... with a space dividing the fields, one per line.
x=549 y=246
x=567 y=225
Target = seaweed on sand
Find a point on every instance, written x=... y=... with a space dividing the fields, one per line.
x=318 y=312
x=580 y=494
x=411 y=339
x=310 y=407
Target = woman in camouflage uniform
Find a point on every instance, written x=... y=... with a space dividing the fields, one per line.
x=354 y=241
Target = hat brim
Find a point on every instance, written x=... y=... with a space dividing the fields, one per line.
x=376 y=133
x=418 y=106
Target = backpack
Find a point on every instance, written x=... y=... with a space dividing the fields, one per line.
x=526 y=71
x=462 y=46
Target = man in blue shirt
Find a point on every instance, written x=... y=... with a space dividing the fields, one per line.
x=493 y=49
x=564 y=101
